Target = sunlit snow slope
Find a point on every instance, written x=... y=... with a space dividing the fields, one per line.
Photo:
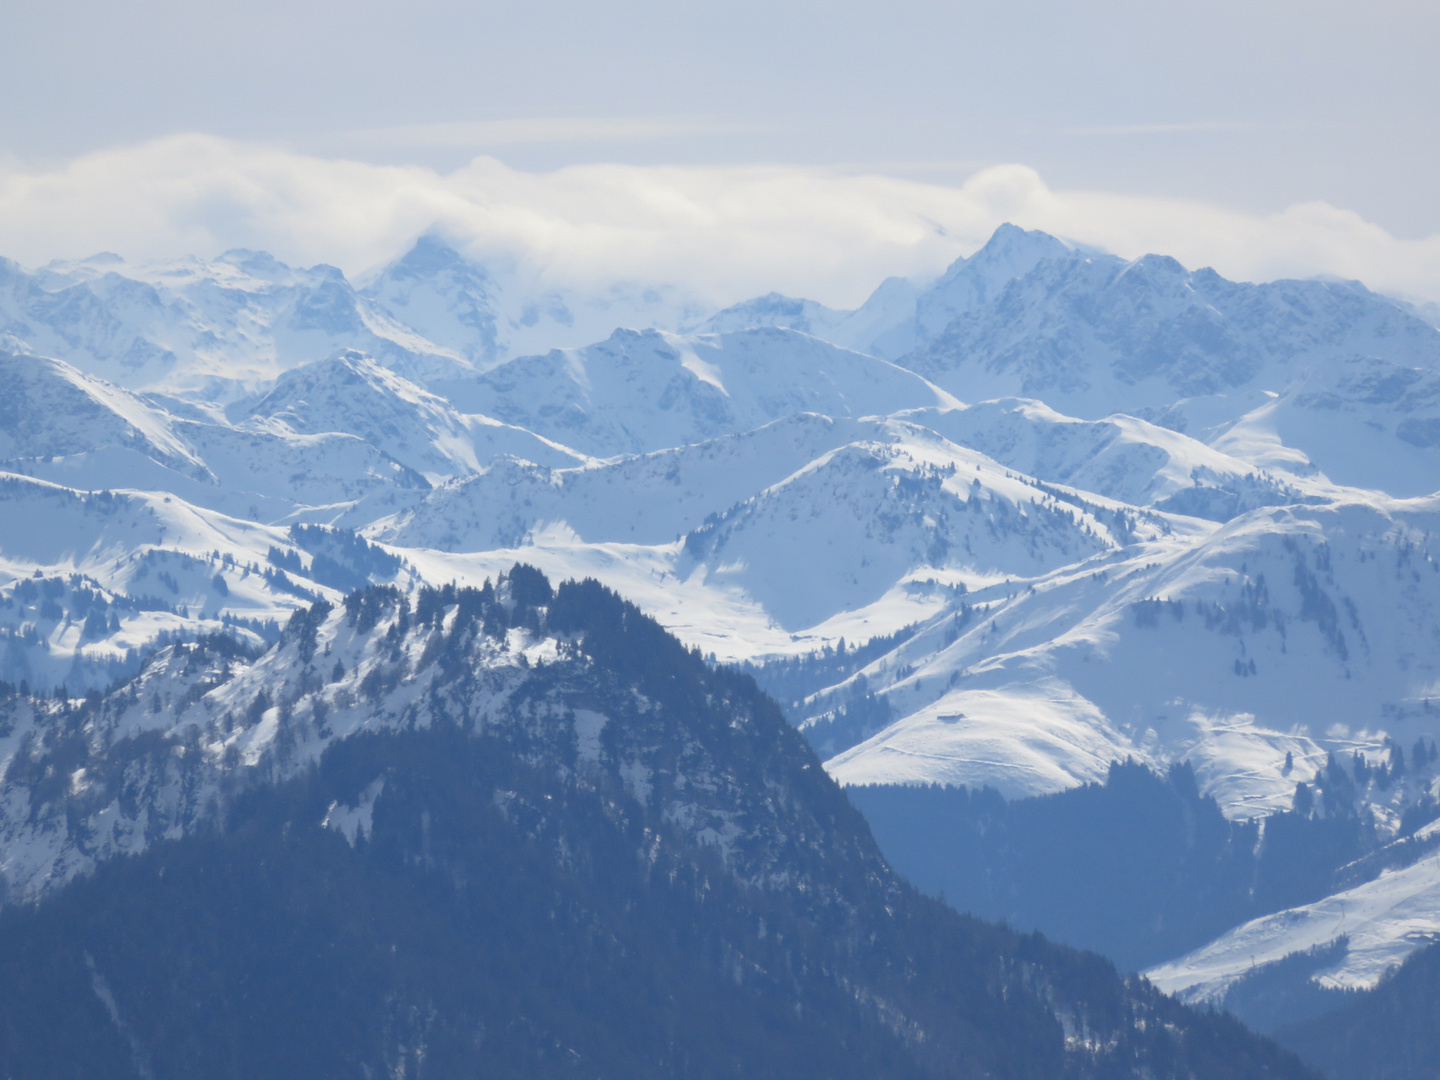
x=1080 y=508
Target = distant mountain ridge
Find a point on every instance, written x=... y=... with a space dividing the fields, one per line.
x=224 y=327
x=1050 y=511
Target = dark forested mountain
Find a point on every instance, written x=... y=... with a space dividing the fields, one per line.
x=510 y=832
x=1141 y=868
x=1389 y=1033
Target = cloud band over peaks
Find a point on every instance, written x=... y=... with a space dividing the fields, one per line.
x=722 y=232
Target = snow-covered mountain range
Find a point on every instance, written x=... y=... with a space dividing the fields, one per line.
x=1051 y=510
x=449 y=832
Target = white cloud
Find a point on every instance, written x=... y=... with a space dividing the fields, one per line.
x=726 y=232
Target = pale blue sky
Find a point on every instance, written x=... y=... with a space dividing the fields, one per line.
x=1255 y=105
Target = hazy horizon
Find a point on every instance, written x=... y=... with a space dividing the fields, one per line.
x=731 y=149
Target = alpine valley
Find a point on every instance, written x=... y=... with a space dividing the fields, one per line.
x=1107 y=591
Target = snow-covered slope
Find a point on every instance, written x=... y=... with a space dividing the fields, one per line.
x=88 y=580
x=329 y=436
x=59 y=424
x=351 y=393
x=776 y=310
x=1289 y=376
x=654 y=498
x=209 y=329
x=810 y=517
x=642 y=391
x=1120 y=457
x=1091 y=335
x=874 y=328
x=1379 y=923
x=1086 y=331
x=1288 y=630
x=1061 y=629
x=50 y=409
x=901 y=315
x=862 y=520
x=1365 y=421
x=267 y=473
x=645 y=499
x=222 y=328
x=1180 y=518
x=490 y=313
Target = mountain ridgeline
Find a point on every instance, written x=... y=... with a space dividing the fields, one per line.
x=516 y=832
x=985 y=539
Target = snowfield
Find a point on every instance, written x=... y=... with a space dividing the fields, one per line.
x=1098 y=509
x=1382 y=922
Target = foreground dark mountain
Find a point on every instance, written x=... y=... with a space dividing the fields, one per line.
x=1141 y=868
x=507 y=832
x=1389 y=1033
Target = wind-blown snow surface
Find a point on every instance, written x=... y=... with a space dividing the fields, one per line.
x=1106 y=508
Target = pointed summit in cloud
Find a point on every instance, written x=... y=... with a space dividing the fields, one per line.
x=431 y=254
x=442 y=295
x=1012 y=251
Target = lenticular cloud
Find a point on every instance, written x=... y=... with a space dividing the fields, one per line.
x=723 y=233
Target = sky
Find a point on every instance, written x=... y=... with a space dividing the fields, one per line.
x=789 y=144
